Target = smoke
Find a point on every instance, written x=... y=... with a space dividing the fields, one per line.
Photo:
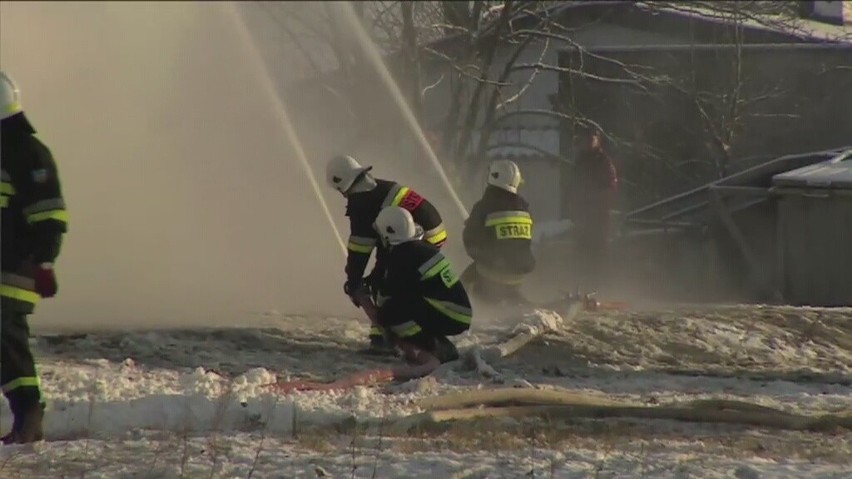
x=187 y=204
x=357 y=116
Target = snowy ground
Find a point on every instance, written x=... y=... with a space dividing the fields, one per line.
x=191 y=403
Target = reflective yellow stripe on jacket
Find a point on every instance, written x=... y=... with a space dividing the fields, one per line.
x=395 y=196
x=360 y=244
x=7 y=189
x=438 y=265
x=31 y=381
x=19 y=287
x=510 y=224
x=436 y=235
x=51 y=209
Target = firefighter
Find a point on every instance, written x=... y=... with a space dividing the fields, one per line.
x=34 y=220
x=498 y=238
x=366 y=196
x=421 y=302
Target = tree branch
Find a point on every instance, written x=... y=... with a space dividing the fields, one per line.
x=473 y=105
x=295 y=39
x=461 y=70
x=532 y=77
x=429 y=87
x=491 y=107
x=553 y=68
x=527 y=146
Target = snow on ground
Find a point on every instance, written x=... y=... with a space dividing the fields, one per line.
x=192 y=403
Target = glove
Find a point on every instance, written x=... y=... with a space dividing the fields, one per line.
x=45 y=280
x=352 y=289
x=372 y=282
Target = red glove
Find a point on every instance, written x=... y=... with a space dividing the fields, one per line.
x=45 y=281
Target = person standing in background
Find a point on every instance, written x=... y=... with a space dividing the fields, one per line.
x=593 y=192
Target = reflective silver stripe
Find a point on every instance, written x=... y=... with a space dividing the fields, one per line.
x=507 y=214
x=45 y=205
x=363 y=241
x=6 y=176
x=425 y=267
x=391 y=195
x=18 y=281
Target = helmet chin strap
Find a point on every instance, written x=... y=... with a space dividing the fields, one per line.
x=418 y=235
x=364 y=182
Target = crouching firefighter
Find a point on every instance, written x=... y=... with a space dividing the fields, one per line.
x=33 y=222
x=421 y=302
x=366 y=196
x=498 y=238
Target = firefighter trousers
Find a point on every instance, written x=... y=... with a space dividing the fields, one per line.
x=18 y=377
x=492 y=285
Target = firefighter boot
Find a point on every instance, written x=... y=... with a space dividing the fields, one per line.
x=27 y=425
x=380 y=343
x=445 y=350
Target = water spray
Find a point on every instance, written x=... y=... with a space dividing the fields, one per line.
x=375 y=58
x=289 y=130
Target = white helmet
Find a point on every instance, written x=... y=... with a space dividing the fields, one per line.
x=343 y=171
x=10 y=97
x=505 y=174
x=395 y=225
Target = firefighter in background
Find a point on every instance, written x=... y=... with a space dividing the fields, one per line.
x=593 y=192
x=498 y=238
x=421 y=302
x=366 y=196
x=33 y=223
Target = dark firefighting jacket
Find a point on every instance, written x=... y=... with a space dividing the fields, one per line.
x=34 y=217
x=417 y=271
x=498 y=232
x=362 y=209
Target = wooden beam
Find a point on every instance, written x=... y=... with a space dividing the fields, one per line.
x=741 y=190
x=688 y=209
x=780 y=246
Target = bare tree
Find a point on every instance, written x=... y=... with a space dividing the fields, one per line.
x=685 y=116
x=411 y=58
x=466 y=67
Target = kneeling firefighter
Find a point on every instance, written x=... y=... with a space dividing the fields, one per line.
x=498 y=238
x=421 y=302
x=365 y=197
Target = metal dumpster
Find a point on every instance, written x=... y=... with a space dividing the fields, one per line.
x=814 y=247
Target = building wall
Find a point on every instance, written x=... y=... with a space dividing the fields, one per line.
x=546 y=83
x=815 y=254
x=802 y=107
x=542 y=174
x=384 y=129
